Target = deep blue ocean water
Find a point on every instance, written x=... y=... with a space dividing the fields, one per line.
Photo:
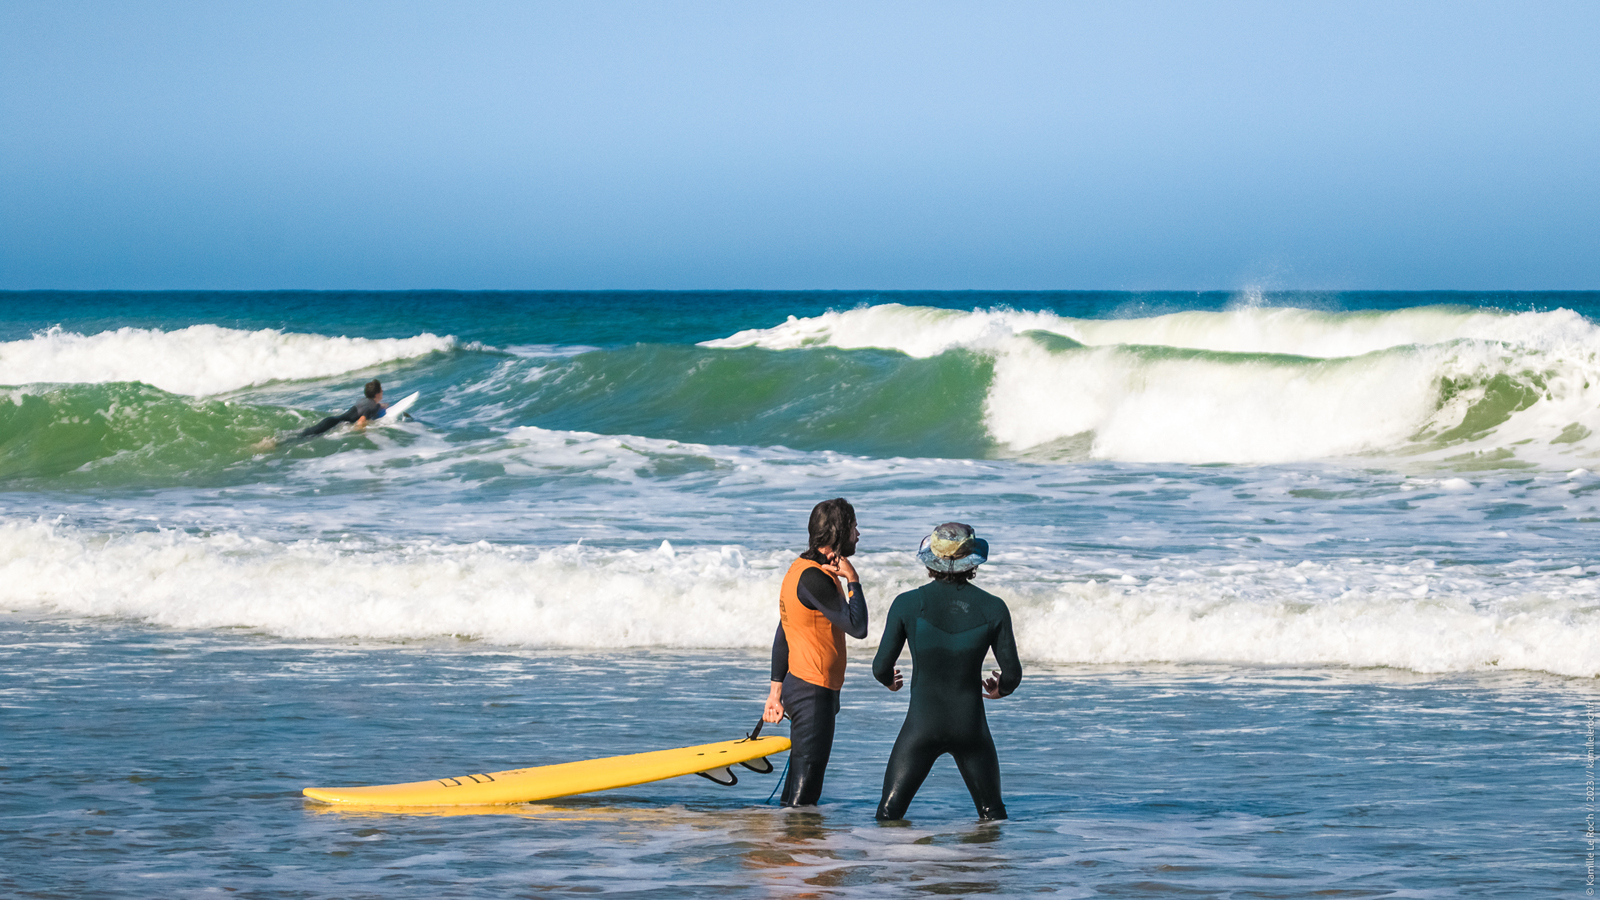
x=1304 y=585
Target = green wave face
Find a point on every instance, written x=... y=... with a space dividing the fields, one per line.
x=1464 y=402
x=872 y=402
x=127 y=433
x=1036 y=395
x=1500 y=397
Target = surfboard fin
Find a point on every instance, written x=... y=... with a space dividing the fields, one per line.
x=761 y=765
x=723 y=776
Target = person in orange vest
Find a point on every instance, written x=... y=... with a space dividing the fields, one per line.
x=820 y=602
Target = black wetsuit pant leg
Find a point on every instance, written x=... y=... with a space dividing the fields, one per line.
x=367 y=407
x=322 y=426
x=980 y=769
x=812 y=710
x=913 y=757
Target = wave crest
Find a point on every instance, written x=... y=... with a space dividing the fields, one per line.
x=1256 y=385
x=200 y=360
x=926 y=331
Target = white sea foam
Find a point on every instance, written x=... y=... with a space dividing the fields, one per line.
x=1136 y=406
x=1340 y=612
x=1131 y=407
x=913 y=330
x=201 y=359
x=565 y=597
x=547 y=351
x=1256 y=385
x=926 y=331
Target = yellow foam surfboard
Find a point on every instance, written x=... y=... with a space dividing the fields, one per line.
x=560 y=780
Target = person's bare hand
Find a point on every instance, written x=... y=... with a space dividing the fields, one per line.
x=844 y=569
x=991 y=686
x=839 y=566
x=773 y=712
x=898 y=681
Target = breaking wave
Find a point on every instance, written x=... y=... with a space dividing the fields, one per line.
x=201 y=360
x=1459 y=387
x=1417 y=615
x=1255 y=385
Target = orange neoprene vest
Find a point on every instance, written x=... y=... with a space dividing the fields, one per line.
x=816 y=645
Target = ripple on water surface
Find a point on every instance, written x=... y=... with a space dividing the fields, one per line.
x=145 y=762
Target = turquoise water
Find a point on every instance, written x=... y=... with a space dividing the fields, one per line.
x=1304 y=585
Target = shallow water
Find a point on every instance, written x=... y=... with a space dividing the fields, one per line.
x=146 y=762
x=1305 y=586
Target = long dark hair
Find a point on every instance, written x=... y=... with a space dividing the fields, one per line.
x=830 y=526
x=954 y=577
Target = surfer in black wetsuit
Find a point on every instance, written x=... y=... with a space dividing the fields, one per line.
x=808 y=655
x=365 y=410
x=951 y=626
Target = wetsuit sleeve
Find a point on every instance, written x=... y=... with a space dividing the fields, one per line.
x=894 y=640
x=1005 y=653
x=819 y=592
x=780 y=654
x=856 y=612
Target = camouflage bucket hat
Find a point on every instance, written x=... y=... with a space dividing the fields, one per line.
x=953 y=547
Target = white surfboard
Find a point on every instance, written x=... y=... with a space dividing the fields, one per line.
x=392 y=414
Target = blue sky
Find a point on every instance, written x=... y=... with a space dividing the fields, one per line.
x=769 y=145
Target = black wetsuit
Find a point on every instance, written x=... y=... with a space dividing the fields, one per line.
x=812 y=708
x=367 y=407
x=950 y=628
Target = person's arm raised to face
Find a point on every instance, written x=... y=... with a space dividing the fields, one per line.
x=840 y=566
x=846 y=608
x=849 y=616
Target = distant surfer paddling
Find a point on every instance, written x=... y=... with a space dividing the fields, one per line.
x=951 y=626
x=368 y=408
x=814 y=614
